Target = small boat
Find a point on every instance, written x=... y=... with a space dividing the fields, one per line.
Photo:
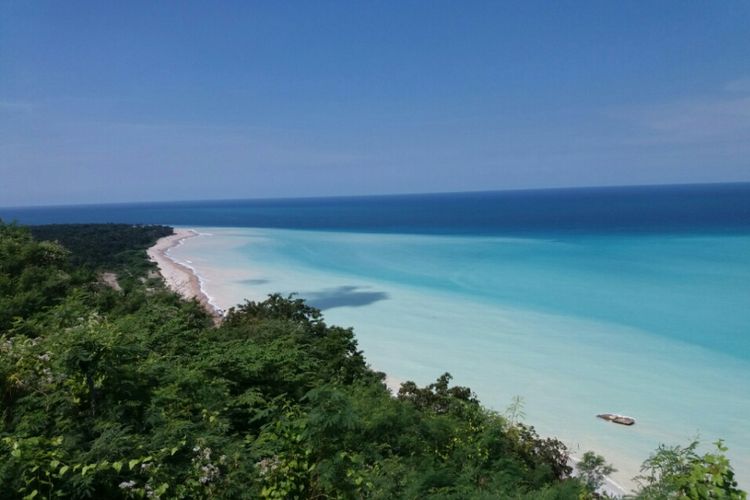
x=618 y=419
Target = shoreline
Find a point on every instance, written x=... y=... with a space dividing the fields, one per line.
x=189 y=285
x=178 y=277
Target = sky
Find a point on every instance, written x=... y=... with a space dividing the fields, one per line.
x=108 y=101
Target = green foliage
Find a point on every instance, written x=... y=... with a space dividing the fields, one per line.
x=438 y=397
x=680 y=472
x=593 y=470
x=111 y=246
x=515 y=412
x=134 y=393
x=33 y=275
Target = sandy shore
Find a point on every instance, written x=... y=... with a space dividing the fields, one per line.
x=178 y=277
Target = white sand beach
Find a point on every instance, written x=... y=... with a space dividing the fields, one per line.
x=178 y=277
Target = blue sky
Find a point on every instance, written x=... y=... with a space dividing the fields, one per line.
x=136 y=101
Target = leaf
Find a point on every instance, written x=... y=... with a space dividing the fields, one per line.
x=117 y=466
x=31 y=495
x=53 y=464
x=133 y=463
x=64 y=469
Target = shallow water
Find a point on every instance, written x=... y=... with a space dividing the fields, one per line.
x=653 y=326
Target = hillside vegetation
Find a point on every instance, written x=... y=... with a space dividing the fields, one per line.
x=134 y=393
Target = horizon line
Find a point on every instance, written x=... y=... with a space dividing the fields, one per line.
x=378 y=195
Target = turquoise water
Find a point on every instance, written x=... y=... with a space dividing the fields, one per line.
x=653 y=326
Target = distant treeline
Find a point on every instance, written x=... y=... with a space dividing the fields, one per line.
x=134 y=393
x=102 y=245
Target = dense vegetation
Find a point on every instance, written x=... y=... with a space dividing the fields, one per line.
x=126 y=393
x=114 y=247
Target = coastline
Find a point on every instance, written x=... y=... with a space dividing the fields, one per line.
x=612 y=487
x=178 y=277
x=553 y=360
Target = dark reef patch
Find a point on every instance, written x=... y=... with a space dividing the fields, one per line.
x=343 y=296
x=253 y=281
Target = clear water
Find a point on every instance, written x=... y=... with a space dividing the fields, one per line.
x=626 y=300
x=651 y=327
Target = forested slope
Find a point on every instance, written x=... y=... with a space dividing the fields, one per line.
x=134 y=393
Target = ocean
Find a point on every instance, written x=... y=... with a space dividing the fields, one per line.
x=630 y=300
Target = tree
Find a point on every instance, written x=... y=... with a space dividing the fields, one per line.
x=514 y=412
x=438 y=397
x=680 y=472
x=593 y=470
x=33 y=275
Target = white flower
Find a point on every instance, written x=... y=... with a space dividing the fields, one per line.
x=210 y=472
x=267 y=465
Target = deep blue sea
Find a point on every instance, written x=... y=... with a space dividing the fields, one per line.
x=713 y=208
x=632 y=300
